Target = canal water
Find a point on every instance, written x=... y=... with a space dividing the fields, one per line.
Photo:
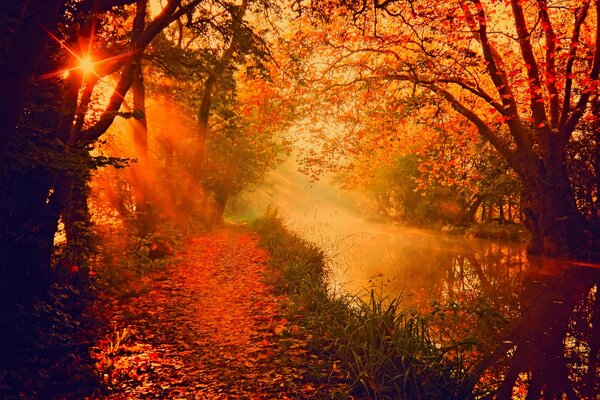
x=539 y=319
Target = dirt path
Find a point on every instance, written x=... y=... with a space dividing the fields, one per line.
x=209 y=328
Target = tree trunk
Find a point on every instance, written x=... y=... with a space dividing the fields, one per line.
x=219 y=210
x=29 y=223
x=169 y=182
x=471 y=210
x=490 y=212
x=76 y=218
x=203 y=117
x=595 y=205
x=195 y=199
x=141 y=170
x=20 y=61
x=501 y=212
x=558 y=229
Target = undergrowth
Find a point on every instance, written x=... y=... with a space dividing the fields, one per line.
x=47 y=344
x=122 y=257
x=44 y=345
x=386 y=351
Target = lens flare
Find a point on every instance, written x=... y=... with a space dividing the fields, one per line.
x=86 y=64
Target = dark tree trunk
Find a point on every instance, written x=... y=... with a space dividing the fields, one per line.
x=219 y=210
x=490 y=212
x=195 y=199
x=20 y=62
x=169 y=169
x=558 y=229
x=203 y=117
x=501 y=212
x=140 y=171
x=29 y=222
x=471 y=209
x=595 y=205
x=27 y=219
x=76 y=218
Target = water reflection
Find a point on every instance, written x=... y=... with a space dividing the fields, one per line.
x=423 y=265
x=550 y=350
x=537 y=321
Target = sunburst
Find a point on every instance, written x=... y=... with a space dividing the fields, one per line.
x=84 y=63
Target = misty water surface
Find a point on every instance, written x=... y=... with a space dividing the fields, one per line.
x=538 y=318
x=415 y=263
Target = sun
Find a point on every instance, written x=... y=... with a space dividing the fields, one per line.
x=86 y=64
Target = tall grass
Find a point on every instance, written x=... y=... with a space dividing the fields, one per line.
x=386 y=352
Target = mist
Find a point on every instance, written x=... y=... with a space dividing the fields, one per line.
x=365 y=253
x=363 y=250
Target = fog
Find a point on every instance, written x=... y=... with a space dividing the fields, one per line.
x=363 y=252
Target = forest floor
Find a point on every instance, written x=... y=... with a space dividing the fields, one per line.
x=209 y=327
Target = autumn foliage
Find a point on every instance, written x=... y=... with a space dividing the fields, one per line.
x=523 y=76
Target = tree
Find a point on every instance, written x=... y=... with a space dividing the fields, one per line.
x=246 y=141
x=217 y=54
x=49 y=126
x=522 y=73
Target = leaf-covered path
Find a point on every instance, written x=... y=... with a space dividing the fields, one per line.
x=208 y=327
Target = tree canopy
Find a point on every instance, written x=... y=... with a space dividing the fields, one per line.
x=522 y=75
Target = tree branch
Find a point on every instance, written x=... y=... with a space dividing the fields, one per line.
x=498 y=76
x=551 y=77
x=580 y=16
x=540 y=119
x=484 y=130
x=167 y=16
x=571 y=124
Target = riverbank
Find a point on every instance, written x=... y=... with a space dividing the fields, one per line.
x=386 y=350
x=507 y=231
x=232 y=314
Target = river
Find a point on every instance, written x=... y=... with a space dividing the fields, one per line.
x=541 y=318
